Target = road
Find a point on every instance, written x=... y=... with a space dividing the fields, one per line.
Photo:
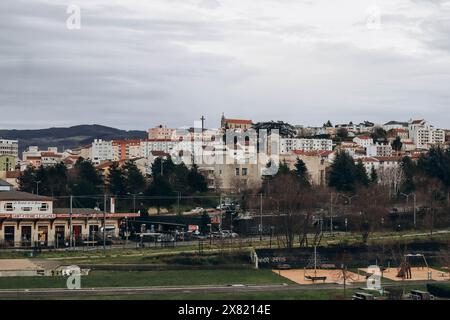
x=36 y=293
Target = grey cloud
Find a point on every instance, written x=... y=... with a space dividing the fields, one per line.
x=133 y=72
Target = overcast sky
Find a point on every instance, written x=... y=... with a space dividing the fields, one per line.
x=134 y=64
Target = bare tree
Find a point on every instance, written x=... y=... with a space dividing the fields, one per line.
x=391 y=177
x=294 y=204
x=372 y=206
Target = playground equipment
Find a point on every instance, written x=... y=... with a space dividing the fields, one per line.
x=313 y=263
x=405 y=271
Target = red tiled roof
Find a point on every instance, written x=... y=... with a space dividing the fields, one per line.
x=159 y=154
x=13 y=174
x=160 y=140
x=50 y=154
x=398 y=130
x=367 y=159
x=238 y=121
x=363 y=137
x=393 y=158
x=104 y=165
x=315 y=153
x=131 y=142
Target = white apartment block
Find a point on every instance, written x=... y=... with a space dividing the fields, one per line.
x=380 y=163
x=9 y=148
x=379 y=150
x=101 y=151
x=163 y=145
x=363 y=141
x=425 y=135
x=287 y=145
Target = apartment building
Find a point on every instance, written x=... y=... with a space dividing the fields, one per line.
x=101 y=150
x=363 y=141
x=33 y=157
x=7 y=163
x=424 y=135
x=163 y=145
x=317 y=163
x=288 y=145
x=379 y=150
x=161 y=132
x=9 y=148
x=394 y=133
x=380 y=163
x=126 y=149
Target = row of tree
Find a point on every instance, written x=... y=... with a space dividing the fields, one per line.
x=87 y=185
x=368 y=200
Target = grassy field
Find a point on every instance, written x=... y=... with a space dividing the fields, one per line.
x=132 y=255
x=271 y=295
x=150 y=278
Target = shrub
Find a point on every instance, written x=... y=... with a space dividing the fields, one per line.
x=439 y=289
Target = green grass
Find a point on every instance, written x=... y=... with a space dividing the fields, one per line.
x=270 y=295
x=150 y=278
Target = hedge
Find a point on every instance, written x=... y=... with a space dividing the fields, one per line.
x=439 y=289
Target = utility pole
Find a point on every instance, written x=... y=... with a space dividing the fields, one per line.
x=104 y=223
x=37 y=187
x=203 y=123
x=220 y=224
x=260 y=216
x=414 y=205
x=331 y=213
x=415 y=210
x=70 y=221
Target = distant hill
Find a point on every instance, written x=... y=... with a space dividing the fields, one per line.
x=67 y=138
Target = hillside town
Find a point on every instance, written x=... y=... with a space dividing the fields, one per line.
x=377 y=146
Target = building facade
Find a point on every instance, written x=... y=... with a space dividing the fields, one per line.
x=9 y=148
x=425 y=135
x=28 y=220
x=288 y=145
x=7 y=162
x=101 y=151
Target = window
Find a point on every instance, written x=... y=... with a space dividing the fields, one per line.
x=44 y=207
x=9 y=206
x=26 y=208
x=237 y=171
x=244 y=171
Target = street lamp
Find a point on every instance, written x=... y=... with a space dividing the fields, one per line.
x=178 y=200
x=349 y=198
x=37 y=187
x=414 y=205
x=134 y=199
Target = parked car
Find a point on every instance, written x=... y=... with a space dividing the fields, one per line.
x=197 y=210
x=224 y=234
x=229 y=234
